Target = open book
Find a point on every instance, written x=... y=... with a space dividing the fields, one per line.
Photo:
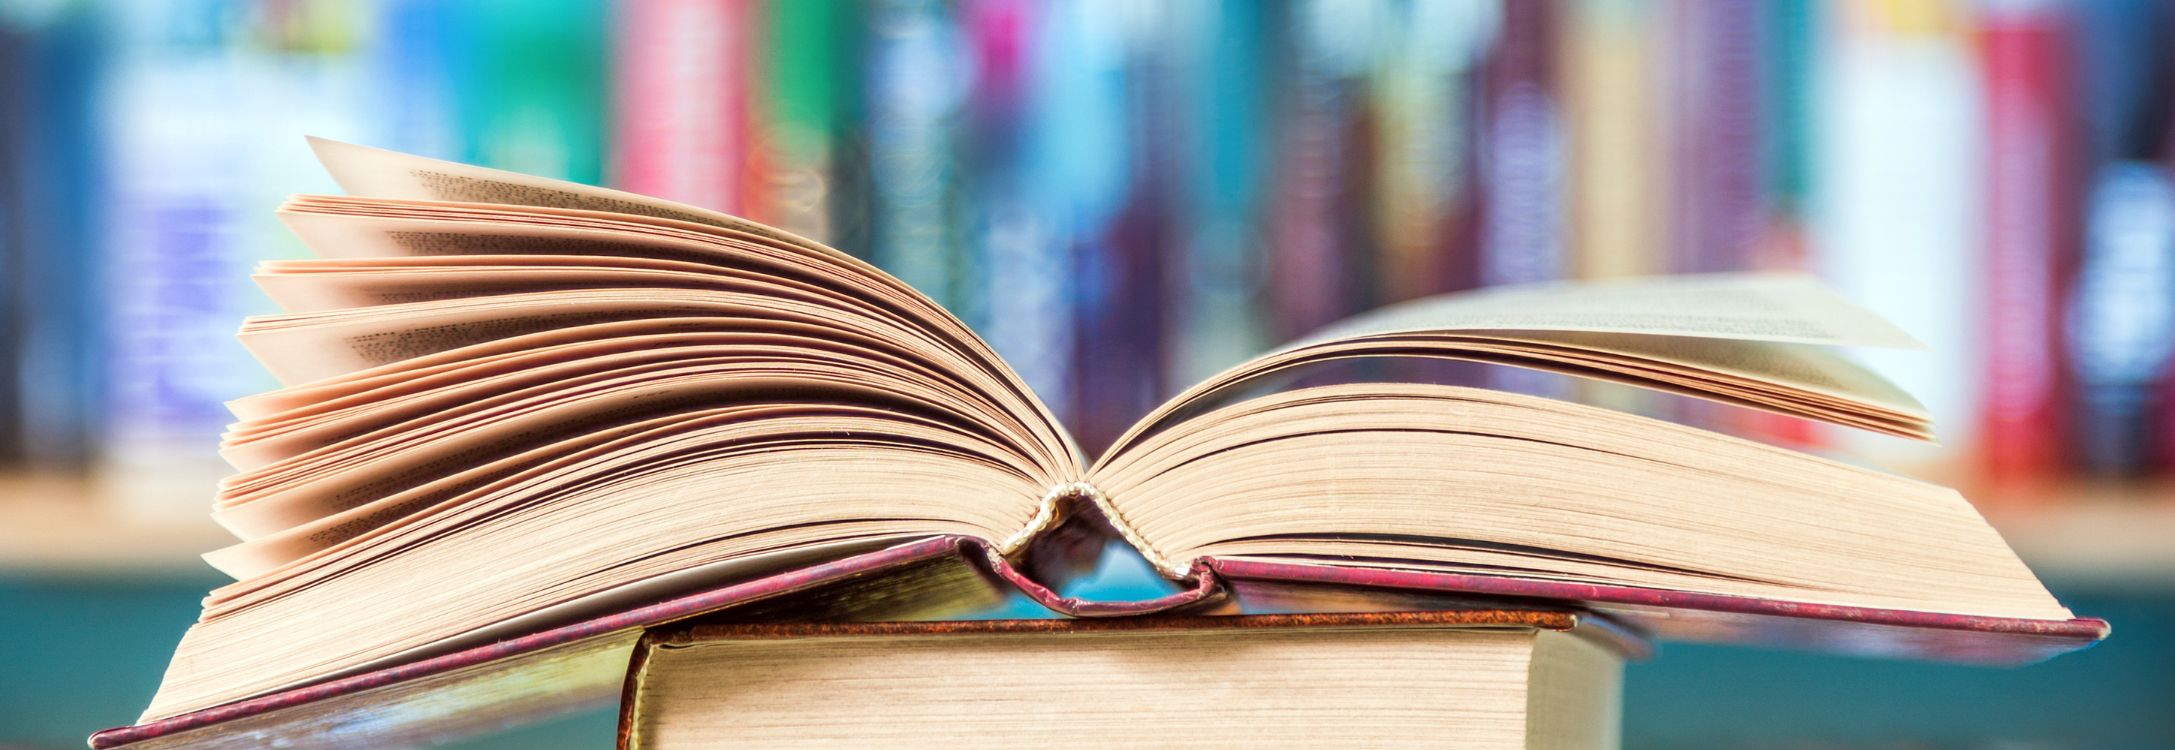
x=514 y=403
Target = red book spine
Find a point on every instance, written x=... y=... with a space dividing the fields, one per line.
x=2028 y=159
x=679 y=114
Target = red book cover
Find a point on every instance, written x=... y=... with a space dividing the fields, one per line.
x=2030 y=143
x=580 y=664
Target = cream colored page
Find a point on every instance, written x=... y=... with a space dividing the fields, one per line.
x=1752 y=307
x=304 y=354
x=1795 y=366
x=378 y=173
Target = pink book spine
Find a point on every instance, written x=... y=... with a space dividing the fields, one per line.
x=2028 y=158
x=679 y=114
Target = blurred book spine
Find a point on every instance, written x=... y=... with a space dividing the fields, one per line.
x=415 y=53
x=798 y=119
x=1895 y=204
x=2029 y=188
x=1719 y=214
x=50 y=234
x=1226 y=97
x=2117 y=325
x=1616 y=112
x=2121 y=317
x=15 y=96
x=1086 y=152
x=1522 y=237
x=915 y=85
x=532 y=84
x=1790 y=33
x=679 y=89
x=1319 y=256
x=1617 y=122
x=1421 y=150
x=1030 y=316
x=178 y=142
x=1122 y=326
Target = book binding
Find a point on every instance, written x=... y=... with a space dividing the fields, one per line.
x=465 y=692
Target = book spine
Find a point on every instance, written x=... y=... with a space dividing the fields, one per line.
x=1789 y=36
x=1614 y=107
x=1719 y=213
x=1421 y=161
x=532 y=86
x=1522 y=220
x=1009 y=224
x=2027 y=194
x=1080 y=154
x=1226 y=96
x=179 y=199
x=54 y=237
x=14 y=252
x=679 y=102
x=415 y=56
x=1121 y=326
x=2121 y=320
x=798 y=119
x=1895 y=206
x=1317 y=256
x=915 y=88
x=2117 y=326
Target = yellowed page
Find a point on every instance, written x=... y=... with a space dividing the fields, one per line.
x=1736 y=330
x=1791 y=308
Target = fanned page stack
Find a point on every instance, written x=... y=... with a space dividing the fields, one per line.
x=521 y=413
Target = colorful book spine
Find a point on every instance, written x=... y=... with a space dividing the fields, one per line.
x=2121 y=321
x=1896 y=204
x=1225 y=93
x=532 y=86
x=2029 y=192
x=2114 y=328
x=1614 y=101
x=191 y=109
x=1099 y=126
x=915 y=86
x=1522 y=221
x=15 y=96
x=1789 y=45
x=1717 y=212
x=1720 y=213
x=1030 y=305
x=679 y=101
x=1422 y=166
x=1319 y=258
x=798 y=118
x=1122 y=329
x=417 y=50
x=55 y=233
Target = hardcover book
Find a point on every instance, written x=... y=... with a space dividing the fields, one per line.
x=1465 y=678
x=524 y=419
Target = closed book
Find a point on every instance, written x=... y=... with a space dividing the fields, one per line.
x=524 y=415
x=1483 y=678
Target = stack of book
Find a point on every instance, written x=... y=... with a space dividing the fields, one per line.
x=534 y=432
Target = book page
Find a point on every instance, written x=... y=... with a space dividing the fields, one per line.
x=1790 y=308
x=1749 y=340
x=378 y=173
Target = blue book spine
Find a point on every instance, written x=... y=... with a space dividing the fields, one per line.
x=53 y=178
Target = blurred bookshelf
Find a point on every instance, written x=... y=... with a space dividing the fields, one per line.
x=64 y=525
